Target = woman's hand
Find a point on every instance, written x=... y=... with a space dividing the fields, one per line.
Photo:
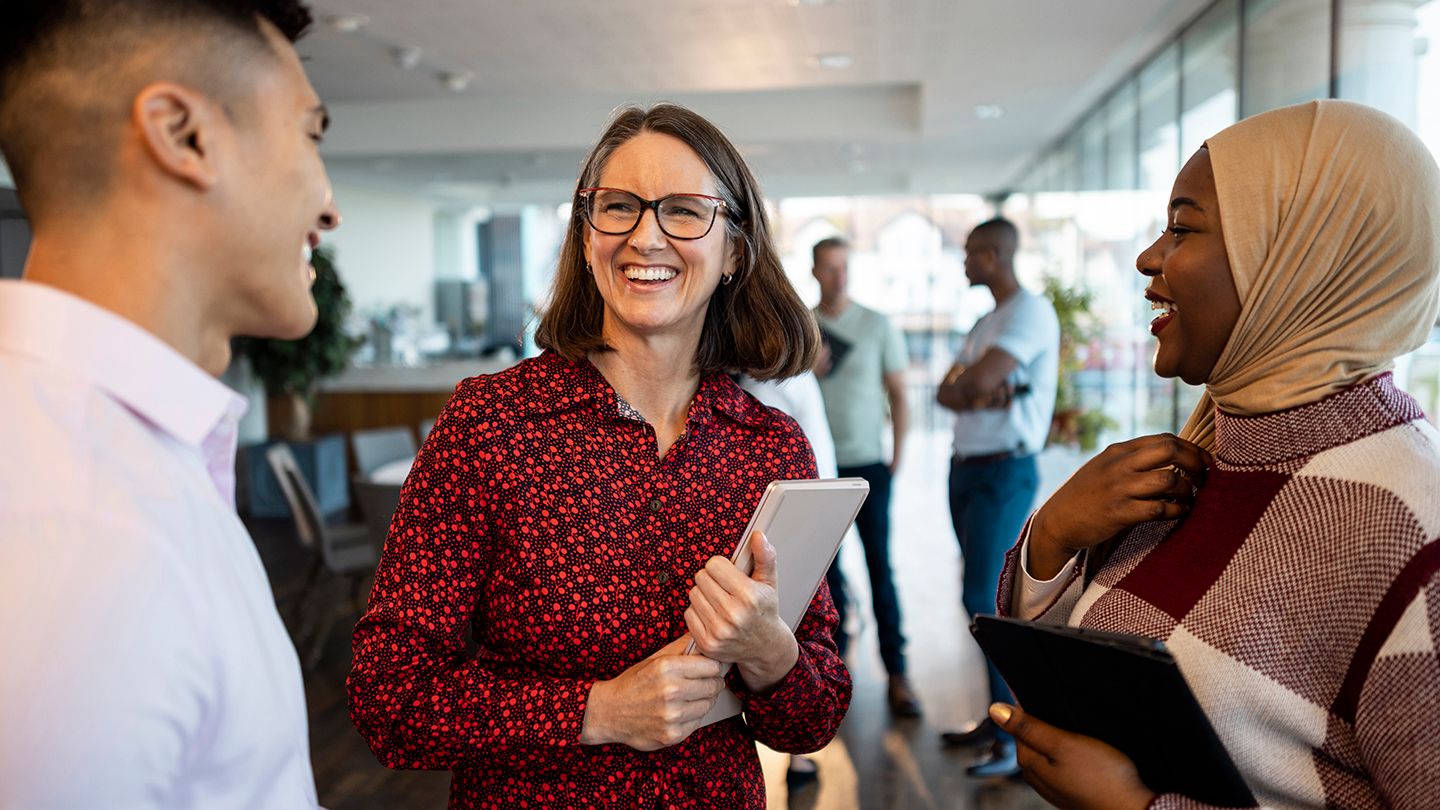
x=1149 y=478
x=655 y=703
x=735 y=618
x=1072 y=771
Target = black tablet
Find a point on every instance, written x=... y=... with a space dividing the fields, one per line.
x=1122 y=689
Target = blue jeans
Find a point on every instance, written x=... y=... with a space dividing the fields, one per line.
x=989 y=501
x=873 y=524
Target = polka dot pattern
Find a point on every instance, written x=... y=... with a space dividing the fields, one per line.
x=540 y=546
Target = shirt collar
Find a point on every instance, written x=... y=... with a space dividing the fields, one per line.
x=718 y=394
x=131 y=365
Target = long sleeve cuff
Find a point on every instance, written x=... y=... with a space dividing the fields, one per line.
x=1035 y=596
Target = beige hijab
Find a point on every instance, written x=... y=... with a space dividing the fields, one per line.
x=1331 y=216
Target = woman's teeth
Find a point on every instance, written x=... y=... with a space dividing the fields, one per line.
x=1167 y=306
x=649 y=273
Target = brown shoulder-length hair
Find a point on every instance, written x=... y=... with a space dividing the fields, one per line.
x=755 y=324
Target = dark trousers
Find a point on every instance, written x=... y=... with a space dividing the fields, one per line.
x=873 y=524
x=989 y=502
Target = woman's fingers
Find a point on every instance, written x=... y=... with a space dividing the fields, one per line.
x=1167 y=450
x=1142 y=511
x=1167 y=484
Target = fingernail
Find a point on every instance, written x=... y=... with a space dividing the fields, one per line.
x=1001 y=713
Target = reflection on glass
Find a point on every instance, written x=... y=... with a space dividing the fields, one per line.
x=1287 y=53
x=1160 y=120
x=1092 y=153
x=1210 y=55
x=1120 y=133
x=1379 y=45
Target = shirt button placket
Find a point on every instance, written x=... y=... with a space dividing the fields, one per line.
x=662 y=578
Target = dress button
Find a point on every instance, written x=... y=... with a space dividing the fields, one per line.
x=655 y=505
x=662 y=577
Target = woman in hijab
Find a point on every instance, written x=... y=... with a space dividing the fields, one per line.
x=1285 y=546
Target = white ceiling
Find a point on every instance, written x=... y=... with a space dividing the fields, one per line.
x=547 y=73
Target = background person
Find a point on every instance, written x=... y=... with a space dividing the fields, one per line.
x=862 y=376
x=1002 y=390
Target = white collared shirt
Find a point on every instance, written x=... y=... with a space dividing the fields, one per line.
x=142 y=660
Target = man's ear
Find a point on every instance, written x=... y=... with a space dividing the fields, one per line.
x=178 y=129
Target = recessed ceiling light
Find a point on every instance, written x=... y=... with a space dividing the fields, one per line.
x=457 y=81
x=833 y=61
x=988 y=112
x=347 y=23
x=407 y=57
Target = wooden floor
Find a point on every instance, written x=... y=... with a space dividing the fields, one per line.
x=875 y=762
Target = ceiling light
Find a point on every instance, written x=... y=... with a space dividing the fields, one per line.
x=347 y=23
x=833 y=61
x=988 y=112
x=407 y=57
x=457 y=81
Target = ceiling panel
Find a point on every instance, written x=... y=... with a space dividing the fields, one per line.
x=547 y=73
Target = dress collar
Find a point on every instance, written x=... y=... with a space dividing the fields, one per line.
x=573 y=383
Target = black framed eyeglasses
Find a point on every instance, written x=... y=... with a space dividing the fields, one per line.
x=681 y=216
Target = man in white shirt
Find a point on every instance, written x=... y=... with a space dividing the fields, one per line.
x=1002 y=390
x=166 y=154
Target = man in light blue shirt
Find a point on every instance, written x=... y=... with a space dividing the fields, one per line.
x=861 y=375
x=1002 y=390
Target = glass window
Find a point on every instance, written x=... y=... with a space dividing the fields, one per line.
x=1382 y=46
x=1120 y=132
x=1069 y=168
x=1092 y=152
x=1209 y=56
x=1160 y=120
x=1287 y=53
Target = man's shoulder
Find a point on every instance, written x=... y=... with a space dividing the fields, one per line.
x=1027 y=309
x=72 y=449
x=863 y=321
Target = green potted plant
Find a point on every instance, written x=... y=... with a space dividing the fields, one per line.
x=1074 y=424
x=290 y=369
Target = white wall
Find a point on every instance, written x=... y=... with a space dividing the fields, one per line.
x=385 y=249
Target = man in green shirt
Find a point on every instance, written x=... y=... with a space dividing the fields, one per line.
x=861 y=375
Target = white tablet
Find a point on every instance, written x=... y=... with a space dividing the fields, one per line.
x=805 y=522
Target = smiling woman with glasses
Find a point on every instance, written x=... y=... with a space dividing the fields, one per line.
x=572 y=517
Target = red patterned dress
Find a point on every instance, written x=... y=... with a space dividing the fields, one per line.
x=539 y=526
x=1301 y=598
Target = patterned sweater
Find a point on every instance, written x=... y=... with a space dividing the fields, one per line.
x=1301 y=599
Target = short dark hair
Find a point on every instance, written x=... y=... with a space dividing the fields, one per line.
x=828 y=243
x=999 y=226
x=755 y=324
x=69 y=70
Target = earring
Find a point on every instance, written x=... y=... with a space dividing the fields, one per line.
x=589 y=269
x=727 y=279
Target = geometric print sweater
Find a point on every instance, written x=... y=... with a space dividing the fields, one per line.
x=1300 y=598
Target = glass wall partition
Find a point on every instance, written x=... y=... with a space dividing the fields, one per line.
x=1287 y=53
x=1089 y=207
x=1209 y=75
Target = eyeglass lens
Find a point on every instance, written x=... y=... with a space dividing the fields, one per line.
x=683 y=216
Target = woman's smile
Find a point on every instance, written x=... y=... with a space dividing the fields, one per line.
x=649 y=276
x=1164 y=306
